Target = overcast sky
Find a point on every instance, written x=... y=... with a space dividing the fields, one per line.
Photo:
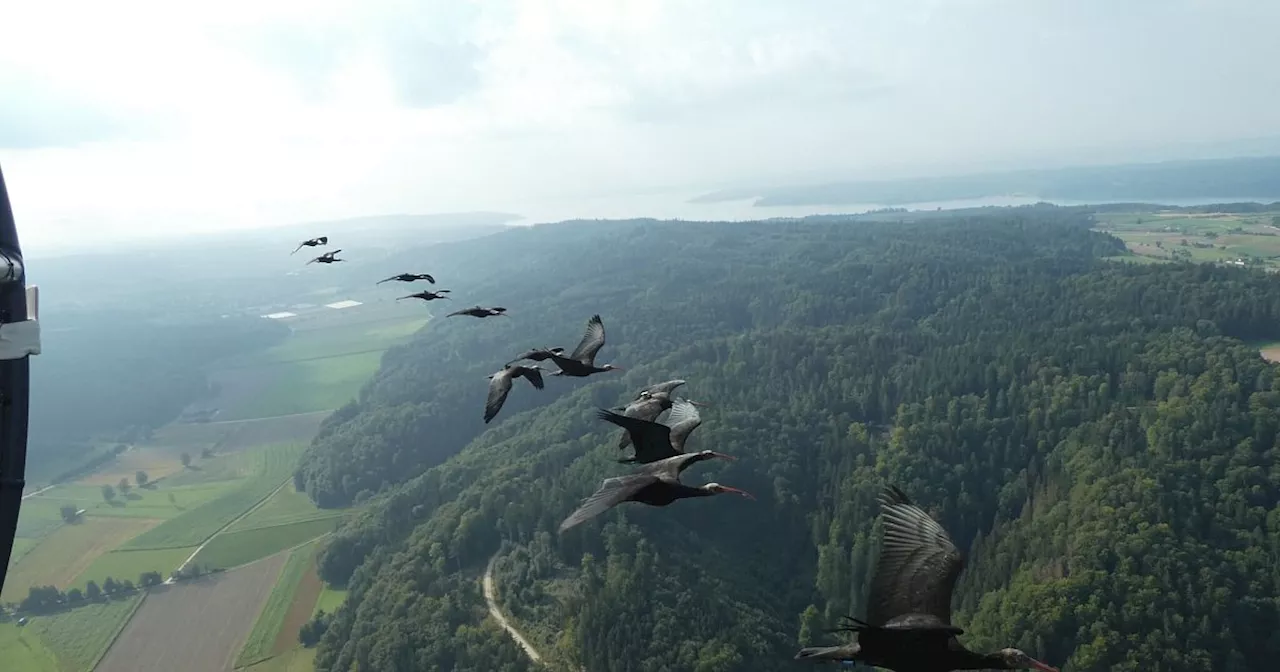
x=137 y=116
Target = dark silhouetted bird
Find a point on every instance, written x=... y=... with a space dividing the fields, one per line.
x=581 y=363
x=477 y=311
x=656 y=484
x=427 y=295
x=908 y=626
x=500 y=386
x=656 y=440
x=314 y=242
x=409 y=277
x=538 y=354
x=327 y=258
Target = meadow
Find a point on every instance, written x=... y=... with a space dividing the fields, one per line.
x=1253 y=238
x=65 y=554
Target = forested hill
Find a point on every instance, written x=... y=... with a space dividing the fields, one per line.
x=1095 y=433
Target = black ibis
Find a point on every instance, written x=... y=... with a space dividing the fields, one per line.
x=327 y=258
x=660 y=388
x=477 y=311
x=427 y=295
x=908 y=626
x=656 y=484
x=500 y=386
x=538 y=354
x=581 y=363
x=656 y=440
x=314 y=242
x=647 y=408
x=409 y=277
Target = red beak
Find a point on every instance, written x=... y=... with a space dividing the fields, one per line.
x=1044 y=667
x=748 y=495
x=722 y=456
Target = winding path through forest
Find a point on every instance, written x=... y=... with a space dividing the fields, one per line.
x=490 y=596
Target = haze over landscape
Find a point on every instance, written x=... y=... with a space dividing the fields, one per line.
x=981 y=278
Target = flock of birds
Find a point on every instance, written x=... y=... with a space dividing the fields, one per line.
x=908 y=621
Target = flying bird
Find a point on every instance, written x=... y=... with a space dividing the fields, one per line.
x=656 y=484
x=537 y=354
x=409 y=277
x=477 y=311
x=314 y=242
x=660 y=388
x=327 y=258
x=655 y=440
x=500 y=387
x=647 y=408
x=581 y=363
x=908 y=626
x=427 y=295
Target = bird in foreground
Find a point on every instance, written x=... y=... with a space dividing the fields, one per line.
x=500 y=387
x=409 y=277
x=582 y=362
x=656 y=484
x=655 y=440
x=908 y=626
x=537 y=354
x=477 y=311
x=327 y=258
x=314 y=242
x=427 y=295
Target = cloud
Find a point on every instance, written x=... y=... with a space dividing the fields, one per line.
x=162 y=116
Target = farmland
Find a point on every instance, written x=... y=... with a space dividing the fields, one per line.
x=294 y=596
x=63 y=555
x=198 y=626
x=232 y=549
x=79 y=637
x=1245 y=239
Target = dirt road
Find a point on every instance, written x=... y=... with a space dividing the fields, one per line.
x=490 y=596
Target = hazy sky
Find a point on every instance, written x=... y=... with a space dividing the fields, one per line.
x=136 y=116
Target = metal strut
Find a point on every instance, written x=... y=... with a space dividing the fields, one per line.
x=19 y=338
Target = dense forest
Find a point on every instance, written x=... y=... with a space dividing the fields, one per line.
x=1096 y=434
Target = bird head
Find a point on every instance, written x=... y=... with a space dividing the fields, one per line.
x=611 y=367
x=721 y=489
x=708 y=454
x=828 y=654
x=1016 y=659
x=556 y=351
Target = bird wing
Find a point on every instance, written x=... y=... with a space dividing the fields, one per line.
x=592 y=341
x=652 y=440
x=648 y=408
x=533 y=374
x=387 y=280
x=428 y=278
x=684 y=418
x=612 y=491
x=323 y=240
x=459 y=312
x=299 y=247
x=918 y=564
x=665 y=387
x=499 y=388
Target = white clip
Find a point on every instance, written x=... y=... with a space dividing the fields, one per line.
x=19 y=339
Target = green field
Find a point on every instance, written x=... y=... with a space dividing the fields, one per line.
x=22 y=649
x=296 y=660
x=194 y=526
x=286 y=506
x=272 y=618
x=128 y=564
x=330 y=599
x=78 y=637
x=317 y=369
x=232 y=549
x=1241 y=239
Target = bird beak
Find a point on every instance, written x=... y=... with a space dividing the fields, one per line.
x=699 y=404
x=744 y=493
x=617 y=368
x=722 y=456
x=1043 y=667
x=827 y=654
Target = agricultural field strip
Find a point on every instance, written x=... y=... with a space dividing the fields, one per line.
x=233 y=522
x=124 y=623
x=266 y=627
